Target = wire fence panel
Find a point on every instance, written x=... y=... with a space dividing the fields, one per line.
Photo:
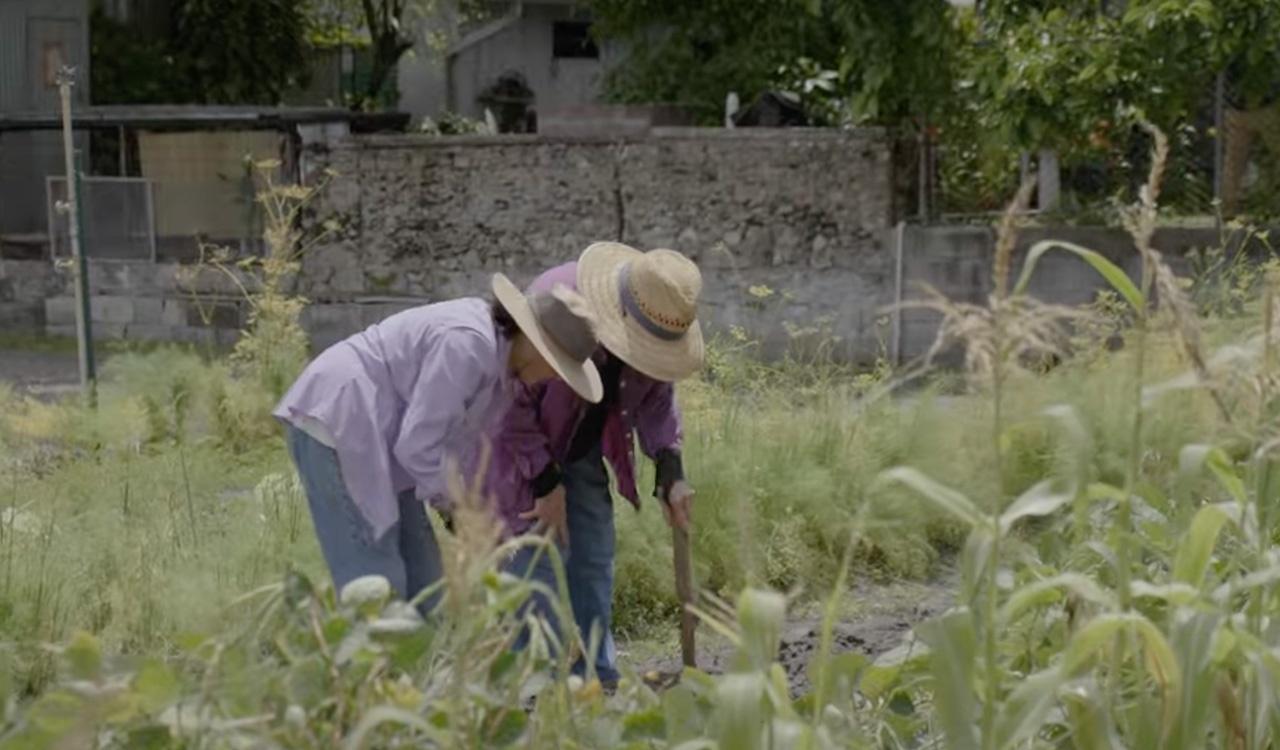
x=119 y=218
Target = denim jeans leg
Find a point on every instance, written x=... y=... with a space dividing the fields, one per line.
x=419 y=550
x=540 y=570
x=346 y=540
x=592 y=547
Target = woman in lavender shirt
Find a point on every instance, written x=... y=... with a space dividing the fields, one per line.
x=374 y=420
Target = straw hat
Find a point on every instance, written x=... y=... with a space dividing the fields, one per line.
x=559 y=325
x=645 y=306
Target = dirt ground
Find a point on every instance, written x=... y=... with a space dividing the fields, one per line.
x=878 y=618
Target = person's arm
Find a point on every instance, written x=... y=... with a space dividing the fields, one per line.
x=450 y=378
x=658 y=425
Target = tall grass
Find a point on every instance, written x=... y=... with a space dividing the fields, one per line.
x=1112 y=520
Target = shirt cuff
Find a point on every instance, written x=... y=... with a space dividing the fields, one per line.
x=669 y=470
x=546 y=481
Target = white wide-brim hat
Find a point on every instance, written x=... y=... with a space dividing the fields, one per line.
x=560 y=326
x=645 y=307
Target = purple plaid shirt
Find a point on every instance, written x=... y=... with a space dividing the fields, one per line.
x=403 y=398
x=539 y=427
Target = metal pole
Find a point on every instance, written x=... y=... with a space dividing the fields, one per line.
x=84 y=346
x=1219 y=138
x=898 y=236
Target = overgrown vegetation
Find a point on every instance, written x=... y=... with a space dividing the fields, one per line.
x=1111 y=519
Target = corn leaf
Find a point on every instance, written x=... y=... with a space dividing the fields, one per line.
x=1023 y=712
x=1196 y=550
x=1049 y=590
x=1114 y=275
x=380 y=715
x=953 y=654
x=1195 y=459
x=1041 y=500
x=945 y=498
x=1174 y=593
x=740 y=715
x=1193 y=643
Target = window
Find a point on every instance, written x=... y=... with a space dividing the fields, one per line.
x=573 y=39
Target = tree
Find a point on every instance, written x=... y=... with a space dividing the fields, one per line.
x=695 y=53
x=886 y=61
x=386 y=30
x=216 y=52
x=241 y=51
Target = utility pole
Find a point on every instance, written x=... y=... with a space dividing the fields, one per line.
x=80 y=265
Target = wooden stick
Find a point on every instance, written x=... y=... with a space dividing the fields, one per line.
x=684 y=590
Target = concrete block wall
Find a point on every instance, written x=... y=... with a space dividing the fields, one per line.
x=957 y=262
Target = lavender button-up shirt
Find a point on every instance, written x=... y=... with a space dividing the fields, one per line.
x=539 y=426
x=403 y=398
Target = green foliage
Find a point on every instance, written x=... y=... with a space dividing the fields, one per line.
x=131 y=69
x=215 y=52
x=694 y=54
x=242 y=51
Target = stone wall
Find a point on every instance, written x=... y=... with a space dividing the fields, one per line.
x=803 y=212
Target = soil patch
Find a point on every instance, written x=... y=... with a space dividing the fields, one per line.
x=884 y=615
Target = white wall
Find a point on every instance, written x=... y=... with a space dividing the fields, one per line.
x=525 y=47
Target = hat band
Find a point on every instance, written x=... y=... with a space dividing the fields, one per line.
x=631 y=306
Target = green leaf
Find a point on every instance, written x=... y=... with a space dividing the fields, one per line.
x=1022 y=713
x=156 y=686
x=644 y=725
x=1040 y=500
x=1113 y=274
x=501 y=666
x=954 y=652
x=150 y=737
x=945 y=498
x=1102 y=630
x=1047 y=590
x=307 y=681
x=760 y=615
x=683 y=714
x=379 y=715
x=84 y=657
x=885 y=673
x=740 y=717
x=1196 y=550
x=1194 y=640
x=1096 y=635
x=1161 y=664
x=1174 y=593
x=508 y=728
x=1194 y=459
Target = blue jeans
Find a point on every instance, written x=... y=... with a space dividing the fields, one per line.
x=588 y=561
x=407 y=555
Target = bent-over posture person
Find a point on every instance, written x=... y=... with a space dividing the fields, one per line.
x=373 y=420
x=551 y=447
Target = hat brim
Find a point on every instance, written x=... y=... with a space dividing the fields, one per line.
x=582 y=377
x=599 y=268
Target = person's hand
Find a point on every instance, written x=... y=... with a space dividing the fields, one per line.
x=679 y=505
x=549 y=513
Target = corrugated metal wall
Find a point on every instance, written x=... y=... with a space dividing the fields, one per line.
x=27 y=159
x=21 y=78
x=13 y=48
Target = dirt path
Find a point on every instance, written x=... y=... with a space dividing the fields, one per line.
x=880 y=617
